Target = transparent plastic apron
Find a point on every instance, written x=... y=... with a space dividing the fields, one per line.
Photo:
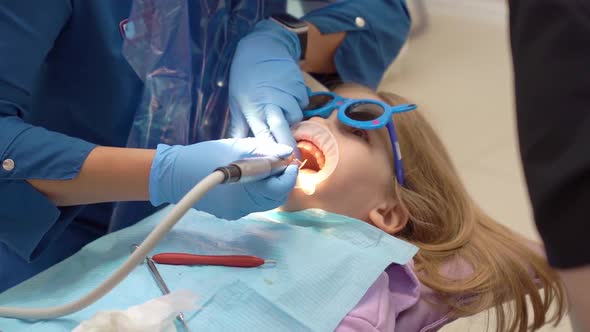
x=182 y=50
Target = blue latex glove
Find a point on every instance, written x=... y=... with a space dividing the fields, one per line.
x=176 y=169
x=266 y=87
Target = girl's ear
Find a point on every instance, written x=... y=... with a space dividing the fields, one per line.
x=390 y=217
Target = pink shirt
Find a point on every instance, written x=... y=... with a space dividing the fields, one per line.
x=396 y=302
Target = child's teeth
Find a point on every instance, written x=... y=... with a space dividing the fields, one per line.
x=319 y=157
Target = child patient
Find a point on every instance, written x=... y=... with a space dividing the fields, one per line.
x=467 y=262
x=351 y=147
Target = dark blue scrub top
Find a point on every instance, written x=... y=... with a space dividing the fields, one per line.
x=65 y=87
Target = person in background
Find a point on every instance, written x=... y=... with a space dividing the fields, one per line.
x=550 y=51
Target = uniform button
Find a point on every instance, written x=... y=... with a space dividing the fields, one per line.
x=8 y=165
x=360 y=22
x=220 y=83
x=129 y=29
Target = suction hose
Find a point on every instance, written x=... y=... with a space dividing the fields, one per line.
x=241 y=171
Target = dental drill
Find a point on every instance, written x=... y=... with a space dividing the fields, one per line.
x=241 y=171
x=255 y=169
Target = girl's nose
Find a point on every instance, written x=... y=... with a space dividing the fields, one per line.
x=332 y=119
x=334 y=115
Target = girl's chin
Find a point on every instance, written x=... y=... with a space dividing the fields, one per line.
x=298 y=201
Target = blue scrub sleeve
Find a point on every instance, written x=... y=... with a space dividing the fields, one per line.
x=28 y=220
x=375 y=33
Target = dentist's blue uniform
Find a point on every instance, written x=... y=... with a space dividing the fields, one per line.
x=66 y=87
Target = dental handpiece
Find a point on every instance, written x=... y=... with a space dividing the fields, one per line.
x=255 y=168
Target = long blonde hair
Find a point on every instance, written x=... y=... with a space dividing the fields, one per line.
x=447 y=225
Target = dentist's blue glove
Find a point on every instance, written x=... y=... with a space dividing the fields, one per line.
x=266 y=87
x=176 y=169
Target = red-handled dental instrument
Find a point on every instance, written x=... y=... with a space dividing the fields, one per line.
x=190 y=259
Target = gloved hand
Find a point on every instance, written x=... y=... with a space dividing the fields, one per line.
x=266 y=86
x=176 y=169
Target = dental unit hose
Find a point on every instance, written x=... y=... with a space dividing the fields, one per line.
x=241 y=171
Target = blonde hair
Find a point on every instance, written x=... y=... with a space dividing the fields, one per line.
x=448 y=226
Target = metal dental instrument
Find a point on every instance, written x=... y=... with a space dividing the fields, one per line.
x=302 y=163
x=161 y=284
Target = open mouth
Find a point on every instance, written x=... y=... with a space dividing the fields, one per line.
x=312 y=157
x=319 y=154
